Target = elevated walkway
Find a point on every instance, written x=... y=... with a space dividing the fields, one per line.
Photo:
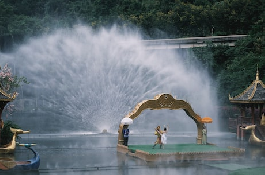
x=191 y=42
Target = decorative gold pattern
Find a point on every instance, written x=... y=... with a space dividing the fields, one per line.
x=10 y=148
x=164 y=101
x=9 y=96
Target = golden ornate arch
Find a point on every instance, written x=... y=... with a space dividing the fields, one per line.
x=165 y=101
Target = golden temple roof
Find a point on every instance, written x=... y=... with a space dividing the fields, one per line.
x=255 y=93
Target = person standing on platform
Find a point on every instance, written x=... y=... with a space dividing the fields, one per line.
x=158 y=133
x=126 y=133
x=164 y=137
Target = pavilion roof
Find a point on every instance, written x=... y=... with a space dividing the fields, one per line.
x=254 y=93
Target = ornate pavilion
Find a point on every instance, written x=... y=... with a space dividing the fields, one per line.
x=252 y=97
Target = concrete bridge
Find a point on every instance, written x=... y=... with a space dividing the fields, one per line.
x=183 y=43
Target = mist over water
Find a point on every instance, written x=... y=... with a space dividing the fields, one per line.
x=96 y=78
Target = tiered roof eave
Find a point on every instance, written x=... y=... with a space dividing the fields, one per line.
x=248 y=95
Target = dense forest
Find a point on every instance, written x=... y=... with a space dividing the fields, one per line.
x=233 y=67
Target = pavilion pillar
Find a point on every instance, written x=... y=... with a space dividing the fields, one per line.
x=239 y=122
x=238 y=129
x=242 y=134
x=260 y=110
x=252 y=115
x=242 y=109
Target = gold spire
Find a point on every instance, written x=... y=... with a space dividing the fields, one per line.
x=257 y=73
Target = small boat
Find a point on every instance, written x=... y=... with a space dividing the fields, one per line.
x=10 y=148
x=32 y=164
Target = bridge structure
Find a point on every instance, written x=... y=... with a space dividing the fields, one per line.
x=191 y=42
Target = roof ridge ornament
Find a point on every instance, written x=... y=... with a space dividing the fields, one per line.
x=257 y=73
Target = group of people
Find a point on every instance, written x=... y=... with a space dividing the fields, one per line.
x=161 y=137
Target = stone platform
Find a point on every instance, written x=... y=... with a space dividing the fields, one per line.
x=181 y=152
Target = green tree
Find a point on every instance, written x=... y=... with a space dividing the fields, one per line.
x=6 y=12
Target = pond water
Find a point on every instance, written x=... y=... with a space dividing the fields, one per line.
x=67 y=154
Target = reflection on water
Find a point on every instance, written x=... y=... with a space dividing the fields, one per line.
x=97 y=154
